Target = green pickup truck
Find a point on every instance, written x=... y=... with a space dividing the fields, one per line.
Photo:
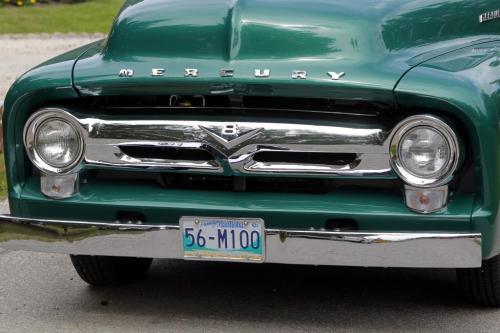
x=315 y=132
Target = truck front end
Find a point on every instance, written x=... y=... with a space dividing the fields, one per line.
x=284 y=132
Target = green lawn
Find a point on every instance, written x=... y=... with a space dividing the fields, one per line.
x=89 y=16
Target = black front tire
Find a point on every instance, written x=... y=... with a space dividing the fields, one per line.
x=481 y=285
x=110 y=271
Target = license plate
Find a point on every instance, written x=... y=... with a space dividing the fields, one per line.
x=226 y=239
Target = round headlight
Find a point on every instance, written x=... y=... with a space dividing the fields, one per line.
x=57 y=143
x=53 y=141
x=424 y=151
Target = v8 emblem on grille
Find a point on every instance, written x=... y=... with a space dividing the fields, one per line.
x=230 y=129
x=230 y=134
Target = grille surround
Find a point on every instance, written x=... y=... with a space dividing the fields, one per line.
x=107 y=140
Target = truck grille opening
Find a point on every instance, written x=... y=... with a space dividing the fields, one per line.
x=306 y=158
x=234 y=102
x=166 y=153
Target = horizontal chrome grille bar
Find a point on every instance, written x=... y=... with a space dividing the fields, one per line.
x=229 y=146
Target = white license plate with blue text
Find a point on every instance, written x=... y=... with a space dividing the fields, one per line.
x=226 y=239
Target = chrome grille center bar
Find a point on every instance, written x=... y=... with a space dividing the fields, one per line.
x=233 y=144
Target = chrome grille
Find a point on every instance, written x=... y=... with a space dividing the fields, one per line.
x=285 y=146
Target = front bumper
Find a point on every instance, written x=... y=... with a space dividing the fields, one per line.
x=388 y=249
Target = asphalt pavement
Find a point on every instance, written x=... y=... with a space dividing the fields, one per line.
x=42 y=293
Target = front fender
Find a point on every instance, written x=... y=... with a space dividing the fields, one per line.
x=466 y=84
x=51 y=80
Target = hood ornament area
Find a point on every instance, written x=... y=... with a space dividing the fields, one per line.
x=258 y=73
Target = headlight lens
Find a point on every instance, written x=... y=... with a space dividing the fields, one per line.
x=424 y=151
x=53 y=141
x=57 y=142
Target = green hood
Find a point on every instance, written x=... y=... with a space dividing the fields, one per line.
x=373 y=42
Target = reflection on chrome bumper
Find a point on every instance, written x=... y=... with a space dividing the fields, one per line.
x=446 y=250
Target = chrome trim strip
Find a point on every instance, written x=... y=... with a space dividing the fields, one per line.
x=232 y=152
x=369 y=249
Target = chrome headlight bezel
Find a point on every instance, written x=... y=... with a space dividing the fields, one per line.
x=445 y=175
x=33 y=124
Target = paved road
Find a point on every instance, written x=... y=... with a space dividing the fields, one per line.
x=41 y=292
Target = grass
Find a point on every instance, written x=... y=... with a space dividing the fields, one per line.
x=90 y=16
x=3 y=180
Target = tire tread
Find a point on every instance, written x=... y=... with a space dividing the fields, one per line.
x=104 y=271
x=481 y=285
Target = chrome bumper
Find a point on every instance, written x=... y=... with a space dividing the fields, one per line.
x=439 y=250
